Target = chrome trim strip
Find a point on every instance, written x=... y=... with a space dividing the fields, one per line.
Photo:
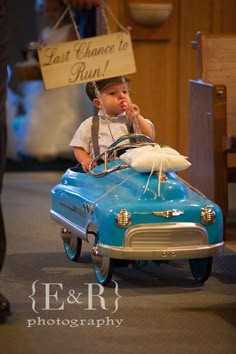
x=74 y=209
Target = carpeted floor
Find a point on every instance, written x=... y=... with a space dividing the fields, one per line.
x=160 y=309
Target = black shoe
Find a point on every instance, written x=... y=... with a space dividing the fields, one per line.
x=4 y=307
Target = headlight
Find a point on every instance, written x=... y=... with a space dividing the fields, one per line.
x=208 y=216
x=123 y=218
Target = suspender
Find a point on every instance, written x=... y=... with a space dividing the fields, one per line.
x=94 y=133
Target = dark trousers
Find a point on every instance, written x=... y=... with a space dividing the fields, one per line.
x=3 y=122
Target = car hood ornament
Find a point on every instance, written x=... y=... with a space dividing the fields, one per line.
x=168 y=213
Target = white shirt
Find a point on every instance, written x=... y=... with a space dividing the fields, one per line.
x=110 y=129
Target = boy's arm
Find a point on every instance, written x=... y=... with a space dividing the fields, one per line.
x=144 y=126
x=83 y=158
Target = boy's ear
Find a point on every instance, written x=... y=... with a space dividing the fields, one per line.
x=96 y=103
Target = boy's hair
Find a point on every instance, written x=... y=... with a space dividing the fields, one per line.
x=102 y=84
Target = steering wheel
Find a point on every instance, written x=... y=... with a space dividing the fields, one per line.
x=114 y=148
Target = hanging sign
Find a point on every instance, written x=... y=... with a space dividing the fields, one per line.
x=84 y=60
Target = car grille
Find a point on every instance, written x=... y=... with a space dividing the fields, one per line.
x=164 y=236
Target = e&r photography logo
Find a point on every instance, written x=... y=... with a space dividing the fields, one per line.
x=93 y=303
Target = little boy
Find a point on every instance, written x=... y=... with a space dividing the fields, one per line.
x=116 y=113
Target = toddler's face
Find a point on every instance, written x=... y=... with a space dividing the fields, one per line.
x=115 y=99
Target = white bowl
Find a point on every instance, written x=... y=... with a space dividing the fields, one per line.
x=150 y=15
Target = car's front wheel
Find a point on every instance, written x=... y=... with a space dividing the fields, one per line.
x=103 y=266
x=201 y=268
x=72 y=245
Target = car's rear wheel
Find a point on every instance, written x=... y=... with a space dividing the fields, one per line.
x=103 y=266
x=201 y=268
x=72 y=245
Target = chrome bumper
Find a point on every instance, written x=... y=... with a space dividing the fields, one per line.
x=163 y=241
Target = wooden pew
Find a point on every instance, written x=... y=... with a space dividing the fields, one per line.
x=212 y=113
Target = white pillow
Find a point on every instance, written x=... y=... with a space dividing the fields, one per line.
x=156 y=158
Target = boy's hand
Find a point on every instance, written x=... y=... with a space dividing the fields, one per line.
x=132 y=110
x=86 y=162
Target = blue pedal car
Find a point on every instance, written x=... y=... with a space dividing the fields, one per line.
x=135 y=216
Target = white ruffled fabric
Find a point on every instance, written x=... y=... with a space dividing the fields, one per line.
x=52 y=116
